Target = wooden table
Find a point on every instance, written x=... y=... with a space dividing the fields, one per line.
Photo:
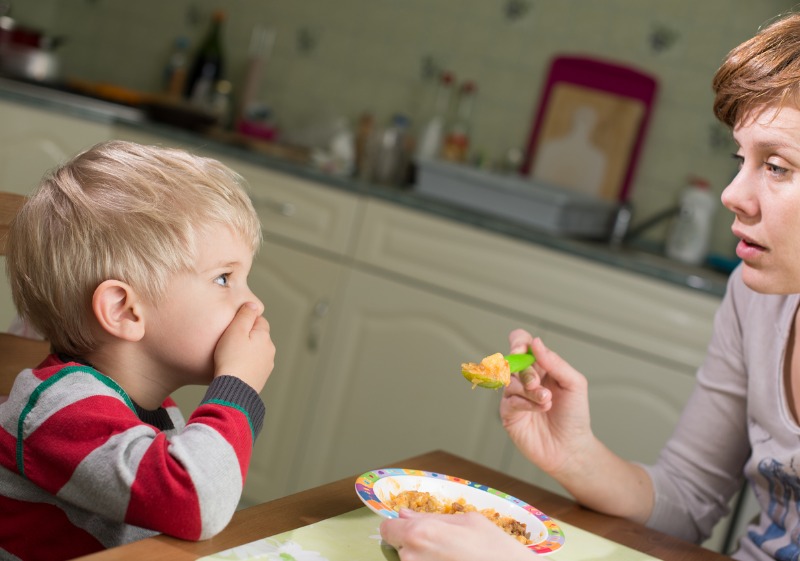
x=336 y=498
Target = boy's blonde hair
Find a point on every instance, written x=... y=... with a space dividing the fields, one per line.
x=120 y=211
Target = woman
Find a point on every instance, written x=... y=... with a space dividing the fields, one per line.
x=743 y=418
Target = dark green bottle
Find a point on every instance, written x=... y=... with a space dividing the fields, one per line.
x=207 y=65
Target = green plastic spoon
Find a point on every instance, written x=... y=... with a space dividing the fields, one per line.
x=519 y=362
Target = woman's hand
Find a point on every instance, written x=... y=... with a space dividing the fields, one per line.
x=545 y=409
x=546 y=412
x=450 y=537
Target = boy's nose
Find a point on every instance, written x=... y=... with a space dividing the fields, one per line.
x=257 y=301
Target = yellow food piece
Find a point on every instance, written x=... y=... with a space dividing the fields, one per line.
x=422 y=501
x=492 y=372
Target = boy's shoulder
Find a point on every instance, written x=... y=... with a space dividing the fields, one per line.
x=59 y=382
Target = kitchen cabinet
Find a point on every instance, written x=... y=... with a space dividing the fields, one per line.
x=392 y=384
x=33 y=141
x=639 y=316
x=427 y=294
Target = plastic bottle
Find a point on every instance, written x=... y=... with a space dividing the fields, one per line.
x=175 y=70
x=456 y=142
x=343 y=149
x=207 y=65
x=430 y=141
x=690 y=233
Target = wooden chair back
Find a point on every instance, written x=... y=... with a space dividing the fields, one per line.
x=10 y=203
x=16 y=353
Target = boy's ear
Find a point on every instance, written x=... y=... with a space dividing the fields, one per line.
x=117 y=308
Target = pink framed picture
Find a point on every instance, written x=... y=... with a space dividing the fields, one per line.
x=590 y=126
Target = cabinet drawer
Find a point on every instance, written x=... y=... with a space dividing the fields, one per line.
x=566 y=293
x=294 y=209
x=300 y=210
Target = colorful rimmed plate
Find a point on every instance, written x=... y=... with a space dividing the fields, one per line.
x=376 y=487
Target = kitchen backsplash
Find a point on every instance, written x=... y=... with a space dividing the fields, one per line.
x=335 y=58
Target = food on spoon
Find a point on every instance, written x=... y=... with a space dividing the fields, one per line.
x=422 y=501
x=492 y=372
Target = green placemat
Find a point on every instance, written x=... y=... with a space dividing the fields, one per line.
x=354 y=536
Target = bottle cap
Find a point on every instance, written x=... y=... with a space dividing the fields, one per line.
x=400 y=120
x=699 y=182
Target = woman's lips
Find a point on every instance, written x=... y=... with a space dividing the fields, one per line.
x=748 y=250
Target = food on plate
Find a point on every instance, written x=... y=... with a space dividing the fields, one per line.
x=492 y=372
x=422 y=501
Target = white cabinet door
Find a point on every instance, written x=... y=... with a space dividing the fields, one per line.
x=391 y=384
x=298 y=291
x=32 y=141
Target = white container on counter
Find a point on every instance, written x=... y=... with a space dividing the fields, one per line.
x=690 y=233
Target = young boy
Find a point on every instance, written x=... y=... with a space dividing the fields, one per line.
x=132 y=261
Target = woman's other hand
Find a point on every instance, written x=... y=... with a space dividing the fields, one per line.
x=450 y=537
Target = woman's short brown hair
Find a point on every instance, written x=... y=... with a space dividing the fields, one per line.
x=120 y=211
x=763 y=71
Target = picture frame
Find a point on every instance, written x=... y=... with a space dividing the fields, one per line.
x=590 y=126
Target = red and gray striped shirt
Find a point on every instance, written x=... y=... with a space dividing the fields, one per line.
x=84 y=468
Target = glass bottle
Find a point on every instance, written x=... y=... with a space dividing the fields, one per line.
x=364 y=147
x=391 y=153
x=208 y=63
x=456 y=141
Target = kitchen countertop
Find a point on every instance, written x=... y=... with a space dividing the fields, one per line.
x=629 y=258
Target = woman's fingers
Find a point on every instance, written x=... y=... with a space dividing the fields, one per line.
x=519 y=341
x=550 y=364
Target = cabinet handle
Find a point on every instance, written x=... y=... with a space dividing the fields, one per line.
x=315 y=325
x=281 y=207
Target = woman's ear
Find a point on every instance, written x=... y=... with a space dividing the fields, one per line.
x=117 y=308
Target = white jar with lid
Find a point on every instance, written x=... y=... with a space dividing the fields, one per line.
x=689 y=236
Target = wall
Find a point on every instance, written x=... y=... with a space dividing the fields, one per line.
x=343 y=57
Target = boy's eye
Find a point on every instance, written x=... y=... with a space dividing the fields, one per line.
x=222 y=280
